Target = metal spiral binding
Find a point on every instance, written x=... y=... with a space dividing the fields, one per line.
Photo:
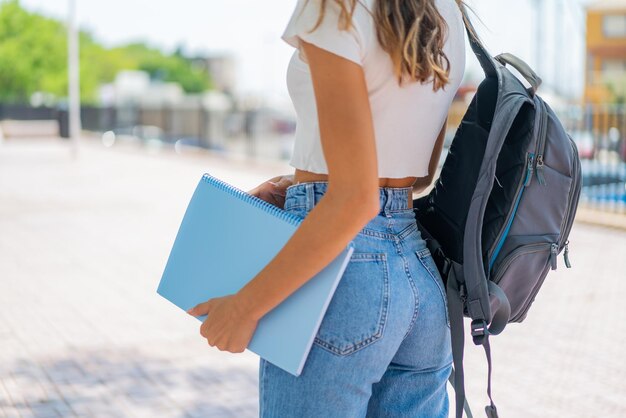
x=253 y=200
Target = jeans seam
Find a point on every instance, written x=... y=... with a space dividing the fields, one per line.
x=388 y=235
x=438 y=369
x=416 y=300
x=408 y=231
x=421 y=257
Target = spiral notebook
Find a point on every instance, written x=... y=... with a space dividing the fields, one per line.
x=225 y=238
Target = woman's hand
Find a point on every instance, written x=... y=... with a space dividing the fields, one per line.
x=273 y=190
x=228 y=325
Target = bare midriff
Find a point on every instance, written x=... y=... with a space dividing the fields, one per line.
x=302 y=176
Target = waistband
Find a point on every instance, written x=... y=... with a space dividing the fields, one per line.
x=307 y=194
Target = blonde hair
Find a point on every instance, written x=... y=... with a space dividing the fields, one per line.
x=412 y=32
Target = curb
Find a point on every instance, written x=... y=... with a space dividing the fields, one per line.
x=598 y=217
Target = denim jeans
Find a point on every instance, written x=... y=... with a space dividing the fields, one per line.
x=383 y=347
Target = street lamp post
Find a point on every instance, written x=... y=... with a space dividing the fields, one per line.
x=539 y=35
x=73 y=78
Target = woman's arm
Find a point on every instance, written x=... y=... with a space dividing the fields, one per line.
x=351 y=200
x=423 y=183
x=349 y=203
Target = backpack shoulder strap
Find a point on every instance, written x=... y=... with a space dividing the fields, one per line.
x=455 y=311
x=484 y=57
x=474 y=275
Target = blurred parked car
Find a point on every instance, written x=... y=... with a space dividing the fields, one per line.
x=584 y=143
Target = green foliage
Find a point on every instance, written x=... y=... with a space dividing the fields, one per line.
x=617 y=87
x=33 y=57
x=167 y=68
x=32 y=54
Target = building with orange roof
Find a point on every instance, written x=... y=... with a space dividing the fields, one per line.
x=605 y=75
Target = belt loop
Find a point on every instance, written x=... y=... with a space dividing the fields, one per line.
x=309 y=196
x=388 y=198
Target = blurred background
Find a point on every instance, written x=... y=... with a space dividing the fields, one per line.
x=111 y=111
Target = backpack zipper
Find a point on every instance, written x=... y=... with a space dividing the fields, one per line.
x=566 y=227
x=566 y=255
x=518 y=195
x=540 y=176
x=554 y=252
x=530 y=157
x=542 y=140
x=572 y=202
x=524 y=249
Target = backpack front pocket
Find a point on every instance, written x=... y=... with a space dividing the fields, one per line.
x=514 y=274
x=357 y=312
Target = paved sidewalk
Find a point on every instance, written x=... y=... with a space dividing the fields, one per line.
x=84 y=334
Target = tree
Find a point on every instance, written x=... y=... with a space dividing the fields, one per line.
x=168 y=67
x=33 y=58
x=33 y=54
x=617 y=87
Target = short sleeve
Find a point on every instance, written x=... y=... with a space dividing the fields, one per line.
x=328 y=35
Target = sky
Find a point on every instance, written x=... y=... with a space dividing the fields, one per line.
x=250 y=30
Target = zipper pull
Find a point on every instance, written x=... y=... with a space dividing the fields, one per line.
x=554 y=251
x=566 y=255
x=529 y=169
x=540 y=176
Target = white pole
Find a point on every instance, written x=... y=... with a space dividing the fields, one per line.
x=539 y=35
x=73 y=78
x=559 y=65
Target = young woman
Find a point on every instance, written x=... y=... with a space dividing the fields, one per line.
x=371 y=82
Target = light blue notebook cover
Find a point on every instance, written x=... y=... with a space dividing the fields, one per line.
x=226 y=237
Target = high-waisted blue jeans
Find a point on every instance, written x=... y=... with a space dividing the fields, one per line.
x=383 y=347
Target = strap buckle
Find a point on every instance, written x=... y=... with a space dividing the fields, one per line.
x=480 y=331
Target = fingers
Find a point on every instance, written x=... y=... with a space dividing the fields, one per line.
x=205 y=334
x=222 y=331
x=285 y=182
x=224 y=345
x=201 y=308
x=269 y=197
x=281 y=186
x=274 y=193
x=254 y=192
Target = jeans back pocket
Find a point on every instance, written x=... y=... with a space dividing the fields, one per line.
x=357 y=312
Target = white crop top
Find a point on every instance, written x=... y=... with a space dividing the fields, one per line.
x=407 y=119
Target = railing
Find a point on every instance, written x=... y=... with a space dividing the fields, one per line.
x=258 y=131
x=600 y=135
x=598 y=130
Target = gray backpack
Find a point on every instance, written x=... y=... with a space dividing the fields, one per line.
x=502 y=209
